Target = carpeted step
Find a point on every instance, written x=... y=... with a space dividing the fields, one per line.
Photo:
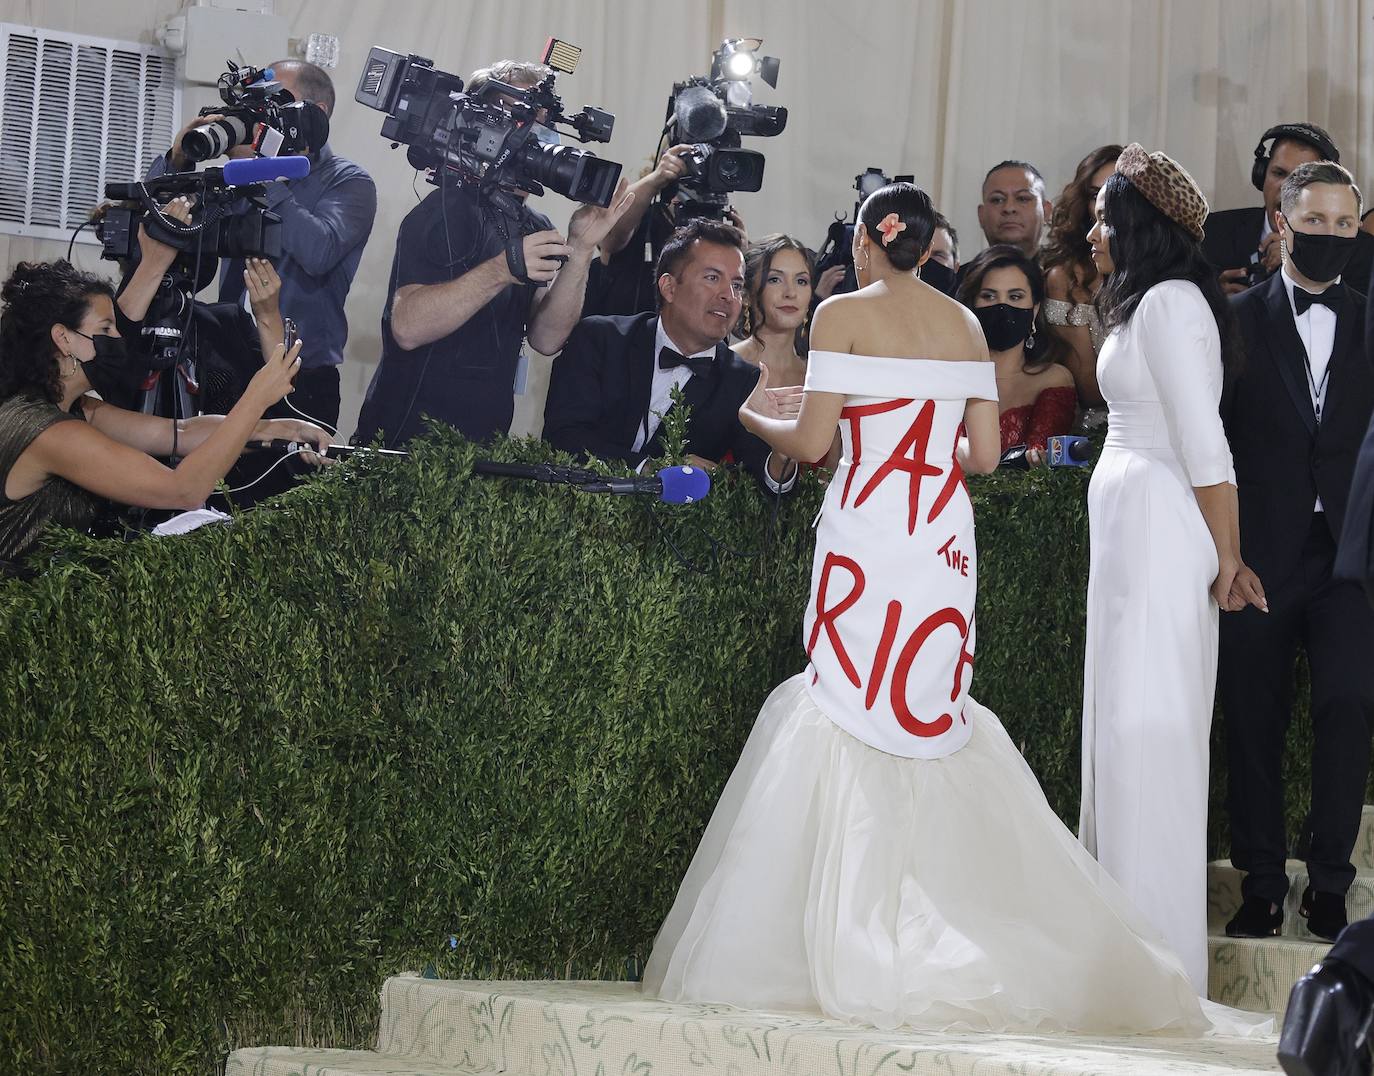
x=300 y=1061
x=1223 y=897
x=530 y=1028
x=1258 y=973
x=1363 y=857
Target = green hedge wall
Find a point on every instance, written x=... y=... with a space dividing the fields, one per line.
x=249 y=772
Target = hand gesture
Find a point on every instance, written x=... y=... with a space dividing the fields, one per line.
x=542 y=253
x=1221 y=586
x=590 y=223
x=273 y=381
x=264 y=286
x=1246 y=589
x=702 y=463
x=782 y=403
x=828 y=281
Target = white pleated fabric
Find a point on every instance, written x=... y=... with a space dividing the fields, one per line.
x=929 y=893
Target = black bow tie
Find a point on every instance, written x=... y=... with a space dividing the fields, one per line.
x=1330 y=298
x=700 y=365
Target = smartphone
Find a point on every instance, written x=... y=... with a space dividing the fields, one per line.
x=289 y=336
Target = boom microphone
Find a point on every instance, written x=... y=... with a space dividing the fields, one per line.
x=672 y=485
x=239 y=173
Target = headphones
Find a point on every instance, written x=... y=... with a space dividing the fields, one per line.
x=1308 y=133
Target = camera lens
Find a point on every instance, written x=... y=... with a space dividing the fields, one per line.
x=214 y=139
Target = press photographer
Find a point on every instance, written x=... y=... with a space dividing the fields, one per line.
x=326 y=216
x=224 y=344
x=476 y=271
x=62 y=451
x=704 y=164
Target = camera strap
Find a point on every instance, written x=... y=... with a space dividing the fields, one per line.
x=515 y=256
x=515 y=243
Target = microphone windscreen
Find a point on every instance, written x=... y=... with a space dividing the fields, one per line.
x=265 y=169
x=1079 y=449
x=700 y=115
x=683 y=485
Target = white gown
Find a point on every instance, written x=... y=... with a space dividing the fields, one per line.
x=1151 y=658
x=882 y=853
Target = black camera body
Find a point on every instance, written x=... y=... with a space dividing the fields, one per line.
x=258 y=112
x=712 y=114
x=838 y=248
x=219 y=226
x=489 y=140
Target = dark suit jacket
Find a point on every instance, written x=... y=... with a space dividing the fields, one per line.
x=1355 y=555
x=1232 y=235
x=1283 y=459
x=599 y=394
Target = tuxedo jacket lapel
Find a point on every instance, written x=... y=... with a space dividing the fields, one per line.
x=1286 y=349
x=1346 y=352
x=639 y=363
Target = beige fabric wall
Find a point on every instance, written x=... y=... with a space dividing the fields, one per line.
x=941 y=88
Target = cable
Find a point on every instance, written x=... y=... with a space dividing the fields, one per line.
x=72 y=244
x=254 y=482
x=333 y=431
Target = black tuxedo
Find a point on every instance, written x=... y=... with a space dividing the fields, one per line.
x=1233 y=235
x=601 y=384
x=1284 y=461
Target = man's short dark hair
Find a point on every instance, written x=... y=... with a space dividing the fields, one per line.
x=1311 y=173
x=941 y=221
x=1023 y=165
x=678 y=248
x=313 y=82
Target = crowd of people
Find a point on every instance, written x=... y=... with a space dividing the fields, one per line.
x=1230 y=350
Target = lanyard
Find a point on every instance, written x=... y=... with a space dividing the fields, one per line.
x=1318 y=389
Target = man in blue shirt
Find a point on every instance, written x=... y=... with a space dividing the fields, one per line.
x=326 y=220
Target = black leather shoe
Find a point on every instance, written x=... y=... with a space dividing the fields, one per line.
x=1255 y=920
x=1324 y=912
x=1326 y=1031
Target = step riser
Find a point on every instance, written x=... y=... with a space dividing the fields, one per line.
x=1258 y=974
x=1363 y=856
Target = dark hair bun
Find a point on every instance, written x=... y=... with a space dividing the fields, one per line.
x=914 y=209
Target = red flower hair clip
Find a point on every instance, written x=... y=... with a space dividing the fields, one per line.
x=890 y=226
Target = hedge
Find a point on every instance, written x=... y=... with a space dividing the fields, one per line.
x=250 y=772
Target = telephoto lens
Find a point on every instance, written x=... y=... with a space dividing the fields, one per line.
x=214 y=139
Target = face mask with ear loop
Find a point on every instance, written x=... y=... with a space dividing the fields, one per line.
x=1319 y=257
x=109 y=371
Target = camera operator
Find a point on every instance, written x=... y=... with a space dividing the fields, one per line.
x=57 y=329
x=457 y=315
x=228 y=343
x=623 y=280
x=326 y=220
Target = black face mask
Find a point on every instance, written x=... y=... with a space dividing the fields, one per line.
x=1004 y=325
x=1321 y=258
x=939 y=276
x=110 y=372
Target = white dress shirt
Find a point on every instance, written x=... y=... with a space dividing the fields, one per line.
x=661 y=399
x=1317 y=329
x=661 y=388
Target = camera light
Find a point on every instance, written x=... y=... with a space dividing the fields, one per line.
x=740 y=65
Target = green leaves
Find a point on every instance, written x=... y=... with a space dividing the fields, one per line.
x=248 y=773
